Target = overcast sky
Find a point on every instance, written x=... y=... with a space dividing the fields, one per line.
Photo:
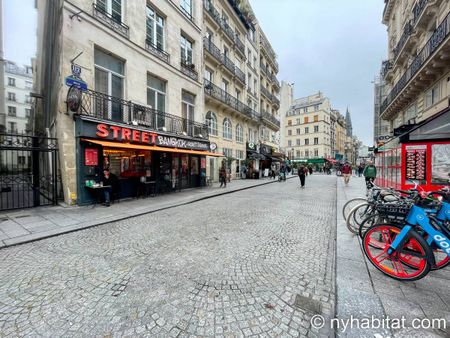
x=335 y=46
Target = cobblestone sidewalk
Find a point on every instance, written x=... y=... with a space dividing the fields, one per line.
x=36 y=223
x=363 y=291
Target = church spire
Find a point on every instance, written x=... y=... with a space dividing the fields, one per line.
x=348 y=123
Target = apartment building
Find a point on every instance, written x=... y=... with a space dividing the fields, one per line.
x=18 y=85
x=240 y=119
x=308 y=128
x=142 y=115
x=286 y=100
x=381 y=128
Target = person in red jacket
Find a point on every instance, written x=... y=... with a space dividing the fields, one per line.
x=346 y=172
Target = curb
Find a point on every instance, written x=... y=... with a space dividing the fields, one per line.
x=6 y=243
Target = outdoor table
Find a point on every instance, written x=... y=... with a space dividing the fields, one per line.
x=98 y=192
x=147 y=185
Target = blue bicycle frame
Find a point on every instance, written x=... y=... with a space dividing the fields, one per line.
x=418 y=216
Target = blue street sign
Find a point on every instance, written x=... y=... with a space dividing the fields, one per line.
x=76 y=70
x=71 y=81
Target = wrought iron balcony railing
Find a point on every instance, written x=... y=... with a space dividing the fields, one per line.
x=385 y=67
x=266 y=93
x=418 y=10
x=275 y=100
x=240 y=74
x=212 y=11
x=189 y=70
x=106 y=107
x=228 y=63
x=110 y=21
x=156 y=51
x=227 y=29
x=219 y=94
x=269 y=117
x=435 y=41
x=403 y=39
x=212 y=49
x=239 y=45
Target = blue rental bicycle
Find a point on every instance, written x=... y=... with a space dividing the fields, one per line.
x=405 y=252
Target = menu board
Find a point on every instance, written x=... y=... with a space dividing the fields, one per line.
x=416 y=162
x=91 y=156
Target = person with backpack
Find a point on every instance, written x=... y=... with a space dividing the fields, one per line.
x=346 y=172
x=370 y=173
x=302 y=175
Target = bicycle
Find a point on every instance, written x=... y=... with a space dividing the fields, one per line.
x=408 y=252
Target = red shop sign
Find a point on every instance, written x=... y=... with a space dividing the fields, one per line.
x=91 y=156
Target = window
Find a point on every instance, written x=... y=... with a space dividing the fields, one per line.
x=305 y=119
x=186 y=6
x=209 y=74
x=211 y=121
x=289 y=122
x=306 y=141
x=289 y=143
x=255 y=85
x=240 y=154
x=11 y=82
x=249 y=56
x=156 y=98
x=306 y=130
x=112 y=7
x=316 y=152
x=186 y=51
x=298 y=142
x=251 y=35
x=305 y=110
x=297 y=154
x=11 y=97
x=411 y=112
x=316 y=107
x=28 y=85
x=239 y=134
x=27 y=99
x=316 y=118
x=251 y=139
x=316 y=129
x=238 y=94
x=298 y=131
x=289 y=132
x=27 y=112
x=12 y=127
x=432 y=96
x=249 y=81
x=188 y=111
x=155 y=29
x=297 y=121
x=227 y=129
x=225 y=85
x=228 y=152
x=12 y=111
x=316 y=140
x=307 y=153
x=109 y=80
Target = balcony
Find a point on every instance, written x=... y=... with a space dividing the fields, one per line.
x=227 y=29
x=240 y=75
x=275 y=101
x=223 y=97
x=212 y=49
x=403 y=40
x=105 y=107
x=426 y=64
x=386 y=68
x=189 y=70
x=266 y=93
x=272 y=120
x=269 y=52
x=156 y=51
x=229 y=65
x=213 y=13
x=110 y=21
x=240 y=47
x=420 y=19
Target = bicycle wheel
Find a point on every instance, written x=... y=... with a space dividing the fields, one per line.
x=414 y=250
x=350 y=222
x=361 y=212
x=367 y=223
x=350 y=204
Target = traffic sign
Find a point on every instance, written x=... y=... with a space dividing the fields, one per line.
x=73 y=81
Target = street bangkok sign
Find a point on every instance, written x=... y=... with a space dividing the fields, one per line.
x=125 y=134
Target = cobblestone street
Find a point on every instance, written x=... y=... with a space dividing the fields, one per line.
x=254 y=262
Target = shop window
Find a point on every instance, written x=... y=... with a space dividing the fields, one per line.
x=155 y=29
x=128 y=163
x=239 y=134
x=211 y=121
x=109 y=79
x=227 y=129
x=156 y=99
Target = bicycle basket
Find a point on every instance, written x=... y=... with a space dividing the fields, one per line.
x=396 y=212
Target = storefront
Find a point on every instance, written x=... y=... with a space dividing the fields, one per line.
x=420 y=155
x=136 y=156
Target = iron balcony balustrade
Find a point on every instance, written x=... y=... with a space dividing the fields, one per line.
x=275 y=101
x=110 y=21
x=240 y=75
x=441 y=33
x=240 y=47
x=269 y=52
x=403 y=40
x=270 y=118
x=228 y=63
x=419 y=18
x=266 y=93
x=189 y=70
x=385 y=67
x=227 y=29
x=110 y=108
x=418 y=10
x=212 y=49
x=210 y=9
x=157 y=51
x=221 y=95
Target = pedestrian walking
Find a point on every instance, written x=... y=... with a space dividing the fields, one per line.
x=223 y=176
x=310 y=169
x=360 y=169
x=370 y=173
x=346 y=172
x=302 y=175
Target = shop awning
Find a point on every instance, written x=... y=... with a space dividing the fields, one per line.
x=316 y=160
x=152 y=148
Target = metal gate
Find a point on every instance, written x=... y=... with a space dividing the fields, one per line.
x=28 y=171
